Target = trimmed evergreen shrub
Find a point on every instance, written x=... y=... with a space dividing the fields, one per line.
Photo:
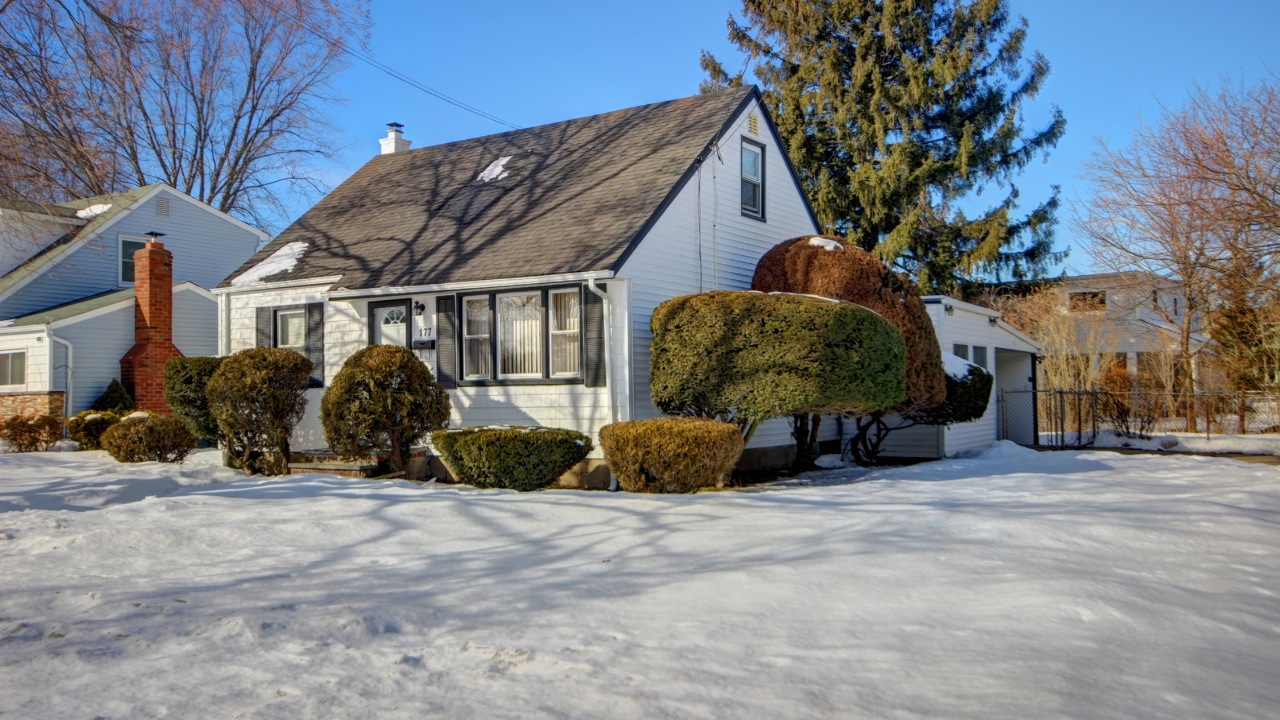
x=382 y=401
x=747 y=357
x=87 y=427
x=517 y=458
x=258 y=397
x=856 y=276
x=671 y=455
x=967 y=400
x=115 y=399
x=154 y=438
x=185 y=382
x=31 y=433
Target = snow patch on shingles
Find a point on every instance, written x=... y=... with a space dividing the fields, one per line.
x=826 y=244
x=495 y=170
x=281 y=261
x=956 y=366
x=93 y=211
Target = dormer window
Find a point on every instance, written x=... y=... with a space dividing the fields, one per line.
x=752 y=179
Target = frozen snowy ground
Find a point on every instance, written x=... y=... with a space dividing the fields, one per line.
x=1013 y=585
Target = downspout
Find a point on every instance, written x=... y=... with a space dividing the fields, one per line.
x=66 y=405
x=608 y=360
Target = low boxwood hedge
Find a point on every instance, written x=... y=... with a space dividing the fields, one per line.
x=516 y=458
x=149 y=438
x=31 y=433
x=671 y=455
x=87 y=427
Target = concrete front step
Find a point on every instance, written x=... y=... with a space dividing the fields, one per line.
x=360 y=470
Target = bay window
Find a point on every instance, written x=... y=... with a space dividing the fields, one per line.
x=523 y=336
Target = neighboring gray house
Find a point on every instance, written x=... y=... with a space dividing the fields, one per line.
x=524 y=267
x=66 y=288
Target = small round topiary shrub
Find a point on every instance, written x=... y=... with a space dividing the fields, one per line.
x=258 y=396
x=671 y=455
x=31 y=433
x=383 y=400
x=149 y=438
x=87 y=427
x=517 y=458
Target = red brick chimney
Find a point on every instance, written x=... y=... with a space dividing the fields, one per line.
x=142 y=368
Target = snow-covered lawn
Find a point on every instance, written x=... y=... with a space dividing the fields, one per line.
x=1013 y=585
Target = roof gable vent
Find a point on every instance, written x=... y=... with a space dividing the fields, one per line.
x=162 y=207
x=753 y=124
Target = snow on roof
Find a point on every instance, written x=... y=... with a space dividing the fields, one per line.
x=956 y=366
x=826 y=244
x=495 y=171
x=280 y=261
x=93 y=210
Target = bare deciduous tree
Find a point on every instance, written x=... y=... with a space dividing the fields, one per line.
x=223 y=99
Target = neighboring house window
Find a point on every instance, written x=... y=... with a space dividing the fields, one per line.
x=1175 y=307
x=1088 y=301
x=476 y=352
x=566 y=334
x=980 y=357
x=13 y=368
x=960 y=350
x=291 y=330
x=752 y=179
x=520 y=335
x=389 y=323
x=127 y=249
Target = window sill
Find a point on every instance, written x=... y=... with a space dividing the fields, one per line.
x=753 y=216
x=520 y=381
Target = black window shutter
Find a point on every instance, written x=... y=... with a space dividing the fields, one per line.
x=315 y=342
x=265 y=316
x=446 y=354
x=593 y=332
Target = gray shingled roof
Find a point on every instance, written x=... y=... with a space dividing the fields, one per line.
x=574 y=197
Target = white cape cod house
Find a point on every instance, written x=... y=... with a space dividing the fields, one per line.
x=523 y=267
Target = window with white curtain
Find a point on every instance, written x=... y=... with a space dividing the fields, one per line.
x=566 y=340
x=520 y=335
x=291 y=330
x=475 y=338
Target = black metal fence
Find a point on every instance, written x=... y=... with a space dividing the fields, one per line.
x=1074 y=418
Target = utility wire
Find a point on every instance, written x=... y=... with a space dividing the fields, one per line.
x=342 y=44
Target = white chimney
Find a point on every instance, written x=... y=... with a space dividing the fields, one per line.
x=394 y=142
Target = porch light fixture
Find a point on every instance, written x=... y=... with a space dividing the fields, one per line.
x=418 y=308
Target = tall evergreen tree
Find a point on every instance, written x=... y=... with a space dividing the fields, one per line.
x=895 y=112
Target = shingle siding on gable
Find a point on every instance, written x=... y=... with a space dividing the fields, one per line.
x=666 y=263
x=206 y=249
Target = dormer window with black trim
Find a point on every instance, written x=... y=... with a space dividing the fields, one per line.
x=752 y=179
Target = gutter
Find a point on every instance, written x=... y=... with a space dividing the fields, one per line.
x=608 y=361
x=66 y=405
x=344 y=294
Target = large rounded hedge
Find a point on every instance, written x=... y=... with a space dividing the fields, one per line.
x=749 y=357
x=382 y=401
x=149 y=438
x=826 y=266
x=86 y=427
x=517 y=458
x=671 y=455
x=258 y=397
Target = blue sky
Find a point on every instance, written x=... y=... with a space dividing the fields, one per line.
x=531 y=63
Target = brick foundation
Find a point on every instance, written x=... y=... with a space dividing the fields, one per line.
x=50 y=403
x=142 y=368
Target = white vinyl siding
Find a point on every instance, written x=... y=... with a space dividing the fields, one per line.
x=669 y=262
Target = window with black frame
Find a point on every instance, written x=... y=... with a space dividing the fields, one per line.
x=752 y=179
x=522 y=336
